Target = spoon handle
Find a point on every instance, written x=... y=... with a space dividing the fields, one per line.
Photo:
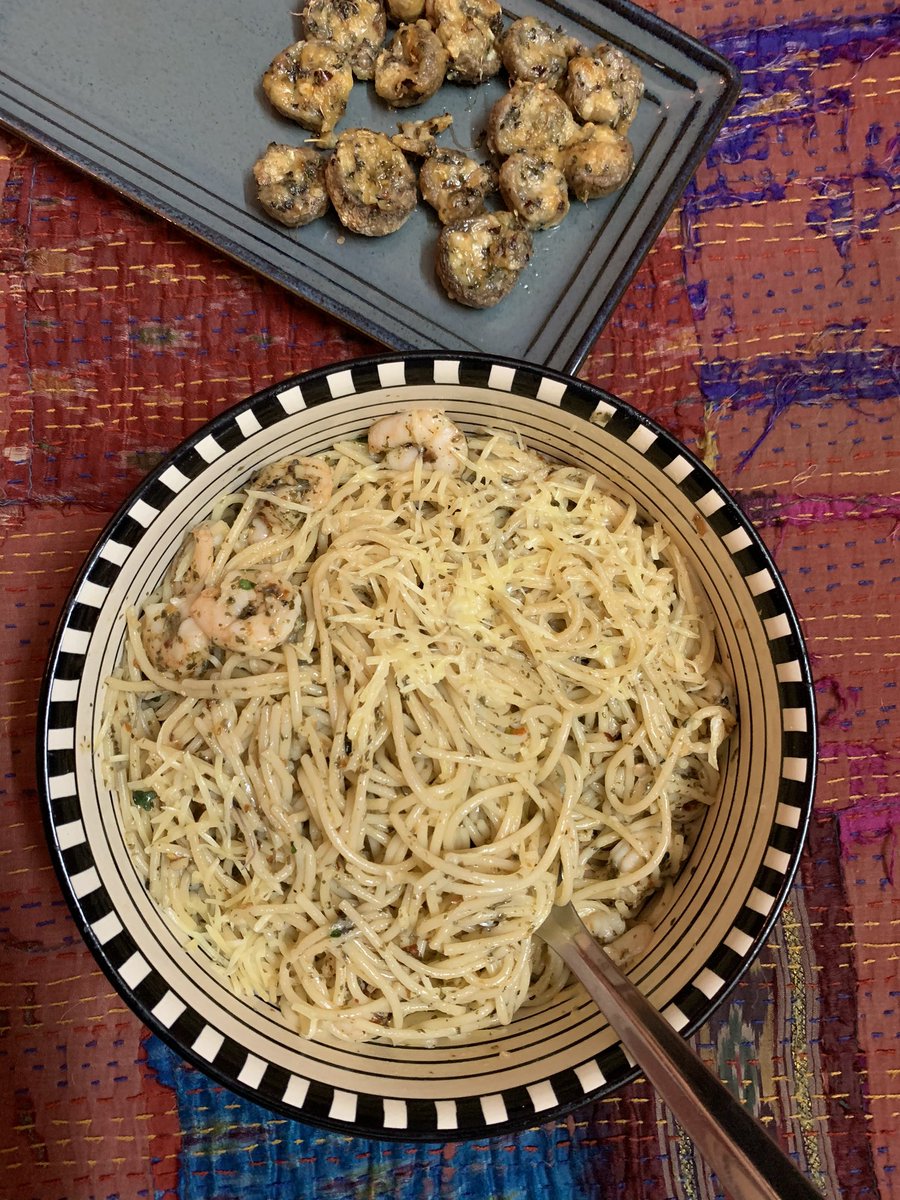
x=746 y=1160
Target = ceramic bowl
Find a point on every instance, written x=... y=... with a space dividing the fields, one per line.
x=724 y=901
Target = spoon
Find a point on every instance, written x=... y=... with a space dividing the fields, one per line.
x=746 y=1160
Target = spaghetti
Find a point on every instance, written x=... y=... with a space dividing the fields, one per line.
x=389 y=705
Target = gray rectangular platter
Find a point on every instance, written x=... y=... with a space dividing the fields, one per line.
x=160 y=99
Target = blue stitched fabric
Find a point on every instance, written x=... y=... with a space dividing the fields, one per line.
x=235 y=1150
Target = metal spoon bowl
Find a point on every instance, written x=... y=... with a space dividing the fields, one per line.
x=745 y=1159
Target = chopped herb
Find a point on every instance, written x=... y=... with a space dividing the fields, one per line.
x=245 y=585
x=340 y=927
x=143 y=799
x=293 y=848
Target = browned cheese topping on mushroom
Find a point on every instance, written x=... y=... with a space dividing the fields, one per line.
x=291 y=184
x=480 y=259
x=604 y=87
x=310 y=83
x=535 y=189
x=530 y=117
x=534 y=52
x=371 y=185
x=412 y=68
x=454 y=185
x=598 y=162
x=468 y=30
x=355 y=26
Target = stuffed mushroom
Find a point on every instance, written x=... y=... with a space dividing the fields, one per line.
x=412 y=68
x=310 y=83
x=468 y=30
x=534 y=52
x=604 y=87
x=598 y=162
x=454 y=185
x=357 y=27
x=530 y=117
x=291 y=184
x=371 y=185
x=480 y=259
x=535 y=189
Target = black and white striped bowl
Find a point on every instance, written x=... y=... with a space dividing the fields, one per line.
x=545 y=1062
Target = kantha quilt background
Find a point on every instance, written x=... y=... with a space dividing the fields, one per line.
x=762 y=330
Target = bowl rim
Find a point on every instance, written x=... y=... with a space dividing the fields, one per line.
x=622 y=421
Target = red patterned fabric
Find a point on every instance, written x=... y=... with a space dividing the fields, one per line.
x=762 y=330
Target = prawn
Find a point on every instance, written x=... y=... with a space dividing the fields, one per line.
x=625 y=857
x=172 y=639
x=306 y=481
x=420 y=433
x=249 y=611
x=206 y=540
